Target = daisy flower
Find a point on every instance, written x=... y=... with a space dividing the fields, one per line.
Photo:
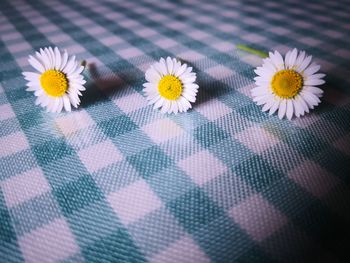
x=58 y=82
x=288 y=85
x=171 y=86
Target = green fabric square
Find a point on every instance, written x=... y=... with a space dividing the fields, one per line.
x=257 y=172
x=194 y=210
x=7 y=233
x=223 y=233
x=116 y=247
x=117 y=126
x=31 y=118
x=51 y=151
x=150 y=161
x=209 y=134
x=77 y=194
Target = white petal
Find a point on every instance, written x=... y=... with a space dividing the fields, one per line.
x=64 y=60
x=57 y=58
x=313 y=82
x=159 y=103
x=46 y=59
x=41 y=59
x=192 y=86
x=78 y=86
x=275 y=106
x=52 y=56
x=160 y=68
x=292 y=58
x=188 y=80
x=298 y=109
x=78 y=81
x=175 y=107
x=314 y=90
x=313 y=68
x=189 y=97
x=154 y=99
x=77 y=71
x=46 y=100
x=177 y=66
x=311 y=99
x=152 y=75
x=70 y=66
x=33 y=88
x=36 y=64
x=31 y=76
x=74 y=99
x=170 y=65
x=286 y=59
x=268 y=104
x=304 y=64
x=39 y=92
x=290 y=109
x=282 y=109
x=264 y=72
x=303 y=104
x=170 y=106
x=166 y=106
x=300 y=58
x=66 y=103
x=259 y=91
x=278 y=60
x=317 y=76
x=181 y=70
x=186 y=104
x=60 y=105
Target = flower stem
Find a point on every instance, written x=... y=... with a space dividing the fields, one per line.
x=83 y=63
x=252 y=51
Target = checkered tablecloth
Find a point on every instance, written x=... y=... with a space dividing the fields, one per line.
x=116 y=181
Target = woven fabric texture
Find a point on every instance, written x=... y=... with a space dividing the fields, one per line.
x=116 y=181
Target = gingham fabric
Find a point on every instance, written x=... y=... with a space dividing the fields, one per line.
x=116 y=181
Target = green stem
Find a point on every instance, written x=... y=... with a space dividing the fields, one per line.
x=252 y=51
x=83 y=63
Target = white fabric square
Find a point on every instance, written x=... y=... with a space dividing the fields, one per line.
x=23 y=187
x=228 y=28
x=20 y=46
x=134 y=202
x=219 y=72
x=130 y=52
x=184 y=250
x=253 y=38
x=198 y=35
x=257 y=139
x=111 y=40
x=258 y=217
x=162 y=130
x=213 y=109
x=100 y=155
x=131 y=102
x=190 y=55
x=202 y=167
x=166 y=43
x=6 y=112
x=13 y=143
x=343 y=144
x=146 y=32
x=224 y=46
x=49 y=243
x=74 y=121
x=314 y=178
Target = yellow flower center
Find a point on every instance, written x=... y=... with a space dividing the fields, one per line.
x=287 y=83
x=54 y=82
x=170 y=87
